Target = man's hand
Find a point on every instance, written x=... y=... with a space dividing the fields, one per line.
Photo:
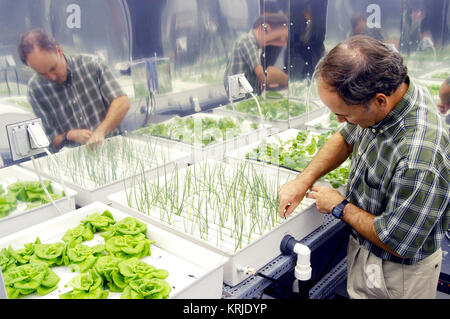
x=326 y=198
x=96 y=138
x=443 y=108
x=80 y=136
x=290 y=195
x=276 y=77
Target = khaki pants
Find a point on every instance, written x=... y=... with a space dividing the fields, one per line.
x=369 y=276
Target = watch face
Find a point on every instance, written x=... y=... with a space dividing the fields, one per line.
x=337 y=211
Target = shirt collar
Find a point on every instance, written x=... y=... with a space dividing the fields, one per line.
x=400 y=110
x=70 y=67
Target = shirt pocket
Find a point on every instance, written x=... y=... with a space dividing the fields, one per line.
x=375 y=197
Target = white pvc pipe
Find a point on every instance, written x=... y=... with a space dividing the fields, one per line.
x=303 y=268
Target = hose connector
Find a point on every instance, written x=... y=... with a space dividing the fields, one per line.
x=248 y=270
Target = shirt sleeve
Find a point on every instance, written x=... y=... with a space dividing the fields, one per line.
x=109 y=86
x=250 y=55
x=418 y=199
x=350 y=133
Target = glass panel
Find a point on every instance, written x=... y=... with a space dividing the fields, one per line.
x=171 y=56
x=99 y=28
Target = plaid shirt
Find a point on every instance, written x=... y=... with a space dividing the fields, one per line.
x=79 y=103
x=400 y=173
x=244 y=57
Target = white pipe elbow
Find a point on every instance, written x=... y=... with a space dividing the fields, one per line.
x=303 y=268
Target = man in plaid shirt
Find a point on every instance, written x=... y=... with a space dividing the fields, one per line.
x=268 y=29
x=77 y=97
x=397 y=196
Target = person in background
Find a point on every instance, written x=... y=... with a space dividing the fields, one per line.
x=244 y=57
x=358 y=22
x=273 y=56
x=306 y=37
x=359 y=27
x=77 y=97
x=397 y=198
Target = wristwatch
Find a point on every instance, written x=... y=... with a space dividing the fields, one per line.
x=338 y=210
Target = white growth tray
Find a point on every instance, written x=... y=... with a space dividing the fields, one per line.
x=283 y=136
x=21 y=218
x=194 y=272
x=217 y=149
x=237 y=237
x=96 y=175
x=293 y=122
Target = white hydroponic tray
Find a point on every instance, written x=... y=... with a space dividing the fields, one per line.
x=293 y=122
x=21 y=218
x=283 y=136
x=194 y=272
x=120 y=171
x=255 y=252
x=216 y=150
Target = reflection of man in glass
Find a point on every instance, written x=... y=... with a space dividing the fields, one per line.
x=306 y=37
x=358 y=22
x=268 y=29
x=77 y=97
x=444 y=99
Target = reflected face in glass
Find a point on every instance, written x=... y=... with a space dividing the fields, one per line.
x=364 y=116
x=277 y=37
x=51 y=65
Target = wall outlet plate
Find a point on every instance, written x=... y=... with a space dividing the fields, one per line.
x=234 y=92
x=238 y=86
x=20 y=143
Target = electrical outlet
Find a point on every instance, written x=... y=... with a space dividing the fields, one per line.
x=233 y=88
x=238 y=86
x=26 y=139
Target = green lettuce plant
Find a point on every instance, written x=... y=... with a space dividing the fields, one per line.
x=108 y=269
x=81 y=257
x=77 y=235
x=26 y=279
x=86 y=286
x=126 y=226
x=23 y=255
x=51 y=254
x=144 y=288
x=185 y=129
x=8 y=203
x=135 y=268
x=30 y=192
x=99 y=223
x=296 y=153
x=128 y=246
x=7 y=261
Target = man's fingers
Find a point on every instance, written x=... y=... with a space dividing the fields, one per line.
x=286 y=208
x=311 y=194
